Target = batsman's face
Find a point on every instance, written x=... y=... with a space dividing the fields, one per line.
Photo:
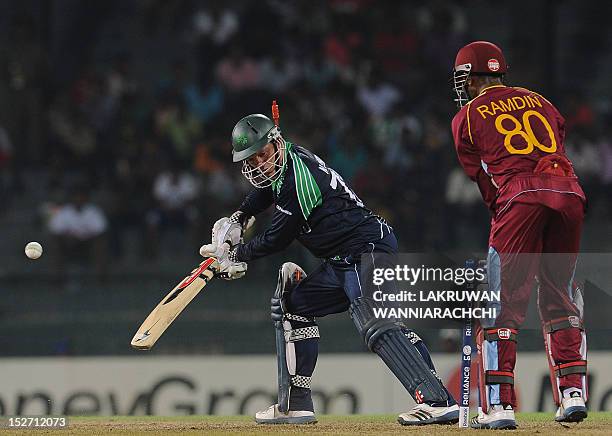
x=265 y=167
x=263 y=160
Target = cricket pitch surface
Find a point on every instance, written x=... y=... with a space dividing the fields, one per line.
x=598 y=423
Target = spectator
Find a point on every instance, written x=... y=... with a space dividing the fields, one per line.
x=205 y=102
x=69 y=125
x=78 y=229
x=319 y=72
x=347 y=156
x=584 y=154
x=214 y=25
x=277 y=74
x=342 y=44
x=174 y=193
x=465 y=219
x=179 y=127
x=461 y=191
x=238 y=72
x=396 y=136
x=579 y=114
x=394 y=44
x=119 y=80
x=376 y=95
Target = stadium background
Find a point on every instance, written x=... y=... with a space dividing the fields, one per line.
x=105 y=101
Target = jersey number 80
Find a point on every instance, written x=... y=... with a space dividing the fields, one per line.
x=525 y=131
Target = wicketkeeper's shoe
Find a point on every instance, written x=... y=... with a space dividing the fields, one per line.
x=497 y=418
x=572 y=409
x=423 y=414
x=274 y=416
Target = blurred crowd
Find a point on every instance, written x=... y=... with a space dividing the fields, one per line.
x=126 y=108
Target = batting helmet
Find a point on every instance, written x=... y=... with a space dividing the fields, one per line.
x=249 y=136
x=479 y=58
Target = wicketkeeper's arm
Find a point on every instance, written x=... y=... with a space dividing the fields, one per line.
x=471 y=162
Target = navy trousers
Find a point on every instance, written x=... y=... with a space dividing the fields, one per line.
x=336 y=282
x=330 y=289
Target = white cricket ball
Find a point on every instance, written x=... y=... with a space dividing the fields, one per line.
x=33 y=250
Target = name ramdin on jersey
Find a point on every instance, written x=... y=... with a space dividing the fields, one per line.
x=435 y=312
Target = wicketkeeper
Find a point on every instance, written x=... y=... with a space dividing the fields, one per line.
x=314 y=205
x=509 y=140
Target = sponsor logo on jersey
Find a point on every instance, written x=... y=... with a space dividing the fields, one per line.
x=493 y=64
x=574 y=321
x=503 y=334
x=285 y=211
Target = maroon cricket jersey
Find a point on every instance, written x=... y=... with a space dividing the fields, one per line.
x=502 y=134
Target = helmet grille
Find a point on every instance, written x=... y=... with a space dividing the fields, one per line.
x=461 y=73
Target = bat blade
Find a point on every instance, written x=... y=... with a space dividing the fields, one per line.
x=171 y=306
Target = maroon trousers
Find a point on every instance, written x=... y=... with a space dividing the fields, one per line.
x=534 y=242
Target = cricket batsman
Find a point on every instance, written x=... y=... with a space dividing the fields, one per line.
x=509 y=140
x=314 y=205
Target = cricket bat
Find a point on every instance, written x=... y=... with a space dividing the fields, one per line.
x=171 y=306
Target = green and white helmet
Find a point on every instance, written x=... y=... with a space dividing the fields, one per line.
x=249 y=136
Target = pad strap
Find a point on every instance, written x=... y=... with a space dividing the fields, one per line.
x=563 y=323
x=299 y=318
x=300 y=381
x=500 y=334
x=496 y=377
x=577 y=367
x=302 y=334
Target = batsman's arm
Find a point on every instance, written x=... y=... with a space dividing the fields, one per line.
x=285 y=227
x=257 y=201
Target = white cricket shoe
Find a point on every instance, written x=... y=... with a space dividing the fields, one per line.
x=423 y=414
x=274 y=416
x=498 y=418
x=572 y=409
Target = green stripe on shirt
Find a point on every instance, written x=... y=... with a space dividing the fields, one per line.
x=308 y=192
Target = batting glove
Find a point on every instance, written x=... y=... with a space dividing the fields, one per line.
x=224 y=232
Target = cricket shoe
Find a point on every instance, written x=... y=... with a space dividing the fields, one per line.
x=423 y=414
x=274 y=416
x=572 y=409
x=499 y=417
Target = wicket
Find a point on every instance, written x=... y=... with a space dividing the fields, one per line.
x=466 y=361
